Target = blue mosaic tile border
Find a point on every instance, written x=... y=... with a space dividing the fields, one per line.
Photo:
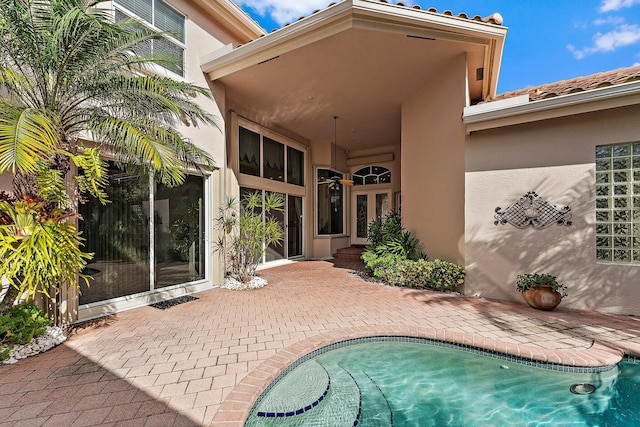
x=631 y=359
x=357 y=420
x=439 y=343
x=297 y=411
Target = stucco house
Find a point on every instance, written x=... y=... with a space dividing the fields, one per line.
x=401 y=103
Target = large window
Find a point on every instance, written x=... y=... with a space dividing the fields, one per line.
x=120 y=236
x=618 y=202
x=268 y=158
x=372 y=175
x=330 y=202
x=292 y=244
x=162 y=17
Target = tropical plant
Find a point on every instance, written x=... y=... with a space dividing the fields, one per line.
x=245 y=235
x=22 y=323
x=387 y=236
x=38 y=246
x=527 y=281
x=69 y=74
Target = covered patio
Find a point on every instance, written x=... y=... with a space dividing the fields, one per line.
x=363 y=84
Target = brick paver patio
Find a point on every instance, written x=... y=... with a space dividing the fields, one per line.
x=204 y=362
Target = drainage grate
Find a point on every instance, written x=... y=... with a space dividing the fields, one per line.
x=582 y=388
x=171 y=302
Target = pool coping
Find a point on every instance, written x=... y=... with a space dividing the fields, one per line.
x=235 y=409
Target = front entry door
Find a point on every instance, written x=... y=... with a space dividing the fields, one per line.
x=365 y=207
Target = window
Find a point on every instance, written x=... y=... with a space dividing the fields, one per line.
x=295 y=166
x=292 y=245
x=120 y=235
x=273 y=160
x=249 y=152
x=162 y=17
x=330 y=202
x=372 y=175
x=265 y=157
x=618 y=202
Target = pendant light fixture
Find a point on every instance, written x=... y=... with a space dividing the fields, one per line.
x=337 y=179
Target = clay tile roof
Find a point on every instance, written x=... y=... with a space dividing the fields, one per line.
x=577 y=84
x=494 y=18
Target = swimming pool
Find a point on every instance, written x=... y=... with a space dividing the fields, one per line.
x=411 y=382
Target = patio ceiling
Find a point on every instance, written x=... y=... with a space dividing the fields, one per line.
x=359 y=68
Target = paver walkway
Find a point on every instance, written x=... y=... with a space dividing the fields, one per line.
x=204 y=362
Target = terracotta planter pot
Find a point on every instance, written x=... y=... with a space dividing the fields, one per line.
x=542 y=297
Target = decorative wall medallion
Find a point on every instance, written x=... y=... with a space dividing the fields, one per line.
x=532 y=211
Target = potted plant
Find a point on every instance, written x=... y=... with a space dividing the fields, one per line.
x=541 y=290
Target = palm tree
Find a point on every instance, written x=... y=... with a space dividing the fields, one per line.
x=73 y=83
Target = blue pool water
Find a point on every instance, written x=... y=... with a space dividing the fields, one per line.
x=390 y=383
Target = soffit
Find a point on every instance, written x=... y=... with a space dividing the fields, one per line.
x=356 y=63
x=362 y=76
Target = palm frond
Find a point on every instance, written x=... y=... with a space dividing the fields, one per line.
x=142 y=142
x=94 y=177
x=51 y=184
x=26 y=136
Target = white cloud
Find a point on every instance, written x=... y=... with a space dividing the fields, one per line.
x=609 y=20
x=609 y=5
x=284 y=11
x=624 y=35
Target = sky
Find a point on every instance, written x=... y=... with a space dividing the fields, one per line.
x=547 y=41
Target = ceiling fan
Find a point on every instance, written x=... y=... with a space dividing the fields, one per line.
x=336 y=179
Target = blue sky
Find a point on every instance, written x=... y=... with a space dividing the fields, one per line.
x=547 y=40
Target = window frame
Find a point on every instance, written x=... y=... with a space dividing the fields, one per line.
x=255 y=181
x=180 y=44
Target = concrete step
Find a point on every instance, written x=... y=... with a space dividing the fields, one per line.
x=350 y=253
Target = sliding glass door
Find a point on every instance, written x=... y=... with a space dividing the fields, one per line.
x=131 y=255
x=179 y=232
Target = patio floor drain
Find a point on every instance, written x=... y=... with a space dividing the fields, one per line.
x=171 y=302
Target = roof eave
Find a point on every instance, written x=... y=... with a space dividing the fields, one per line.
x=236 y=20
x=518 y=110
x=361 y=14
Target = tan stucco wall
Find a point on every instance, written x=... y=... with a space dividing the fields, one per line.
x=556 y=159
x=203 y=37
x=432 y=161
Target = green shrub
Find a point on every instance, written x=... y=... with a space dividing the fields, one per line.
x=445 y=275
x=380 y=266
x=20 y=326
x=395 y=270
x=410 y=274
